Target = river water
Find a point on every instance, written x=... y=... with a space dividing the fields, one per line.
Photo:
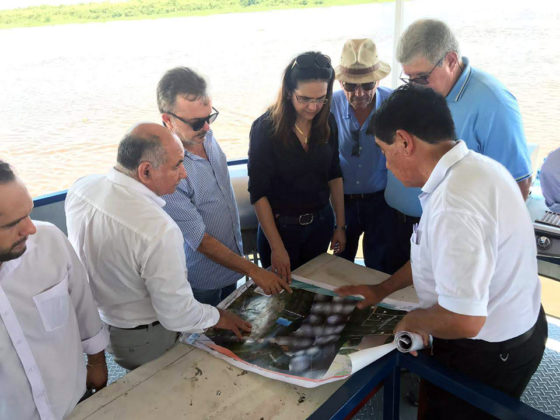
x=69 y=93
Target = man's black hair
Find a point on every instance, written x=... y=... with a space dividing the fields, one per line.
x=418 y=110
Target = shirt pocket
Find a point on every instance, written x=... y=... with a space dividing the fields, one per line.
x=53 y=305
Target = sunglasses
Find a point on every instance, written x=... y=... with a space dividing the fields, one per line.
x=307 y=60
x=423 y=79
x=197 y=123
x=351 y=87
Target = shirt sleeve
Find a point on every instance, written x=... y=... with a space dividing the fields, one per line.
x=334 y=170
x=464 y=252
x=93 y=334
x=183 y=211
x=260 y=166
x=500 y=131
x=164 y=271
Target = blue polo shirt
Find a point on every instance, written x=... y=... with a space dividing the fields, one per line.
x=488 y=119
x=366 y=173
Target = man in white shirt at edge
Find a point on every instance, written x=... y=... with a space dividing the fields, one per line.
x=473 y=255
x=133 y=251
x=48 y=317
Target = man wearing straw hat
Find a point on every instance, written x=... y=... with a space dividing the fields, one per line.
x=362 y=163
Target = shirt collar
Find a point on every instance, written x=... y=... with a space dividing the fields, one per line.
x=130 y=183
x=457 y=153
x=460 y=85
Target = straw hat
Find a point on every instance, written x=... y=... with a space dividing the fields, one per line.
x=359 y=63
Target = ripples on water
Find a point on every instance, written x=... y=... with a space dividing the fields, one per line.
x=70 y=92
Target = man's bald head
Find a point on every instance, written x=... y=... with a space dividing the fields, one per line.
x=149 y=150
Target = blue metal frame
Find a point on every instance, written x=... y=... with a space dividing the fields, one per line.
x=386 y=371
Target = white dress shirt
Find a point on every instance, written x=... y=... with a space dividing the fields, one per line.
x=474 y=251
x=133 y=253
x=48 y=319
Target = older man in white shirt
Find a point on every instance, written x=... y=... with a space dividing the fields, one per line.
x=133 y=250
x=472 y=259
x=48 y=318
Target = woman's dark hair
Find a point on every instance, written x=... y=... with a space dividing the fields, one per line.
x=306 y=67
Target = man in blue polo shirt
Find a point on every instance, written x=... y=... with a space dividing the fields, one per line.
x=362 y=163
x=486 y=115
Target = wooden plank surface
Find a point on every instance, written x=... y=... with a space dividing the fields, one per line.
x=188 y=383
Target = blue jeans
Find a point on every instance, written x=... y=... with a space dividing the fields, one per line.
x=303 y=243
x=213 y=296
x=372 y=217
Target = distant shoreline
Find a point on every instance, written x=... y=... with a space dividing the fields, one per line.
x=149 y=9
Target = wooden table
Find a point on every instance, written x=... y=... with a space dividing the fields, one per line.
x=188 y=383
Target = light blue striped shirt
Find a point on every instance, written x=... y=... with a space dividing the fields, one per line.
x=204 y=203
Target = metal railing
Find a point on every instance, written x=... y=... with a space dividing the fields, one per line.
x=361 y=386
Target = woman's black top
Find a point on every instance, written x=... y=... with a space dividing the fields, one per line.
x=293 y=180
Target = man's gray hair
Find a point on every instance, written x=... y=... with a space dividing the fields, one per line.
x=6 y=172
x=135 y=149
x=180 y=81
x=428 y=38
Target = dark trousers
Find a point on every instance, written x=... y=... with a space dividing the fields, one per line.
x=508 y=371
x=213 y=296
x=368 y=215
x=303 y=243
x=398 y=243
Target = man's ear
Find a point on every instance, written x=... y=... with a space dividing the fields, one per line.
x=452 y=60
x=166 y=120
x=144 y=172
x=405 y=141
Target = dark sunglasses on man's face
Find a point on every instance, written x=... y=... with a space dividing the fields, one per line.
x=197 y=123
x=351 y=87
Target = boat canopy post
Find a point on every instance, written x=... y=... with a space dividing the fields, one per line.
x=396 y=35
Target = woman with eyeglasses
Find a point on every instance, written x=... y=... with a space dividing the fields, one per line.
x=294 y=169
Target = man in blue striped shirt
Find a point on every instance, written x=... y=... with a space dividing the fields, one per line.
x=204 y=205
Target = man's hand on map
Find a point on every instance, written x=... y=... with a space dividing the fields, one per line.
x=270 y=282
x=229 y=321
x=280 y=264
x=372 y=295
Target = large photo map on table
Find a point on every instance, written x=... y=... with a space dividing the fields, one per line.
x=304 y=338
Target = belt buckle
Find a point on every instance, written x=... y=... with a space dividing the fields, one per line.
x=305 y=219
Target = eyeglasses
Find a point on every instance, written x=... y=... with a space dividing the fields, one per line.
x=311 y=59
x=423 y=79
x=356 y=139
x=351 y=87
x=197 y=123
x=304 y=100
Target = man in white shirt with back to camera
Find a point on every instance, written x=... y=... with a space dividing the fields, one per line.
x=133 y=250
x=472 y=259
x=48 y=317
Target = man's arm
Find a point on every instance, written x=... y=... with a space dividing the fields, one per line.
x=221 y=254
x=375 y=294
x=525 y=186
x=97 y=374
x=439 y=322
